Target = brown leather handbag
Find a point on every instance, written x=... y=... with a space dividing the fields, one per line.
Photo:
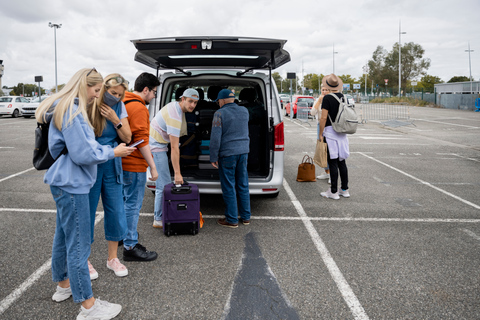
x=306 y=170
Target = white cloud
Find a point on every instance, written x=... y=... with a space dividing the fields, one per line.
x=98 y=33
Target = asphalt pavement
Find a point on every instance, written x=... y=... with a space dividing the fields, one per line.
x=405 y=245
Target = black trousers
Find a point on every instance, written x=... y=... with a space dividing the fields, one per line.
x=336 y=166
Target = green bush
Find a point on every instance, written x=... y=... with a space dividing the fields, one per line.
x=409 y=101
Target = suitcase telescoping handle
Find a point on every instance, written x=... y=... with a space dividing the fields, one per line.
x=182 y=188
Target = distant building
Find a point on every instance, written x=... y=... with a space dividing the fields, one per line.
x=458 y=87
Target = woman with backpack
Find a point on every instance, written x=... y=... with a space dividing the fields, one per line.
x=70 y=178
x=337 y=143
x=110 y=124
x=316 y=111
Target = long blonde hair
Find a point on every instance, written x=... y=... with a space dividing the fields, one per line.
x=75 y=88
x=94 y=112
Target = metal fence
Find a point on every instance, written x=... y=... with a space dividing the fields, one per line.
x=303 y=112
x=383 y=112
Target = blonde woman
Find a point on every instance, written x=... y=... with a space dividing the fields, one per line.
x=110 y=124
x=70 y=179
x=316 y=111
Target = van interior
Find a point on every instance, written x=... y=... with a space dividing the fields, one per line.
x=194 y=147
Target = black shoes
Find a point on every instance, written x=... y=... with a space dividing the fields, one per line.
x=139 y=253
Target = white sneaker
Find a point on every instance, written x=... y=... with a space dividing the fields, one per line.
x=323 y=176
x=329 y=194
x=100 y=310
x=92 y=271
x=117 y=267
x=344 y=194
x=329 y=181
x=157 y=224
x=62 y=294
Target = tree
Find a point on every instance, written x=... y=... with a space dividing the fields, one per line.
x=384 y=65
x=26 y=89
x=347 y=79
x=458 y=79
x=278 y=80
x=427 y=83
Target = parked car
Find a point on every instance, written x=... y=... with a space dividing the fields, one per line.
x=209 y=64
x=12 y=105
x=309 y=100
x=284 y=99
x=350 y=99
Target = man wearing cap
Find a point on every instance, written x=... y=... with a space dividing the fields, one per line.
x=229 y=147
x=167 y=127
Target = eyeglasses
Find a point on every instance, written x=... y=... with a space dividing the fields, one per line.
x=93 y=69
x=119 y=80
x=154 y=91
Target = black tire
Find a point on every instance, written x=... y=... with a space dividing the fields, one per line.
x=15 y=113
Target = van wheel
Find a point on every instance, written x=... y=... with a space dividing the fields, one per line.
x=15 y=113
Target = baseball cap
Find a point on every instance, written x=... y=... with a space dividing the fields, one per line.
x=225 y=94
x=190 y=93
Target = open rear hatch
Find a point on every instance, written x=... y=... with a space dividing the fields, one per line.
x=211 y=52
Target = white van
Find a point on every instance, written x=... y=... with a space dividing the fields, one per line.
x=209 y=64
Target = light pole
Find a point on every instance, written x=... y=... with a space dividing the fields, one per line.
x=334 y=58
x=400 y=57
x=365 y=69
x=470 y=65
x=55 y=27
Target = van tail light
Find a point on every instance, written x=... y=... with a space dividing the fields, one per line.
x=279 y=140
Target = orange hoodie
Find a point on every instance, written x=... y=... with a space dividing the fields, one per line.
x=139 y=120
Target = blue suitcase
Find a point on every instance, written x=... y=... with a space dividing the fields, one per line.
x=181 y=209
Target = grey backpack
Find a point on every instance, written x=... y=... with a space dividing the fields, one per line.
x=346 y=120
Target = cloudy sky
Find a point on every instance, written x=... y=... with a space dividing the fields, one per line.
x=97 y=33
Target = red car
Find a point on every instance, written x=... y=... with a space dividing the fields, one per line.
x=309 y=100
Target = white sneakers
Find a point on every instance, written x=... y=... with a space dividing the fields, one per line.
x=344 y=194
x=323 y=176
x=330 y=195
x=335 y=196
x=100 y=310
x=92 y=271
x=117 y=267
x=157 y=224
x=62 y=294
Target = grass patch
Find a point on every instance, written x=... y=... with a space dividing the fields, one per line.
x=407 y=100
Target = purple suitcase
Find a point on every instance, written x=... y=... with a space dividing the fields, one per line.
x=181 y=209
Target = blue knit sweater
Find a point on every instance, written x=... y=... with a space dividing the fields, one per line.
x=229 y=134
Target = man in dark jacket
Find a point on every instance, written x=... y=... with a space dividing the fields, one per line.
x=229 y=147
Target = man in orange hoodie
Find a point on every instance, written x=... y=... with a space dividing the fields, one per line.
x=135 y=165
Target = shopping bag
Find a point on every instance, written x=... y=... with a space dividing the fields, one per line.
x=320 y=157
x=306 y=170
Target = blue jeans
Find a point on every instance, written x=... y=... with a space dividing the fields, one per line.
x=164 y=178
x=133 y=192
x=234 y=180
x=71 y=243
x=115 y=220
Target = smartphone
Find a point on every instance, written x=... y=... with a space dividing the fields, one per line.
x=136 y=143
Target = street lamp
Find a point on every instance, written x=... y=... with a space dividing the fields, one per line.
x=470 y=65
x=334 y=52
x=55 y=27
x=400 y=57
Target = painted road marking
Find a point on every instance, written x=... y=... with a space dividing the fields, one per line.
x=16 y=174
x=17 y=293
x=347 y=293
x=423 y=182
x=471 y=234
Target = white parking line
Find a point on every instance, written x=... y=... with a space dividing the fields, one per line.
x=16 y=174
x=17 y=293
x=342 y=284
x=471 y=234
x=450 y=124
x=423 y=182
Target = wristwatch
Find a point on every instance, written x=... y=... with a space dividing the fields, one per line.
x=118 y=126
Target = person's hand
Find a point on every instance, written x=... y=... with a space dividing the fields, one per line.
x=178 y=178
x=154 y=174
x=122 y=150
x=109 y=114
x=215 y=164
